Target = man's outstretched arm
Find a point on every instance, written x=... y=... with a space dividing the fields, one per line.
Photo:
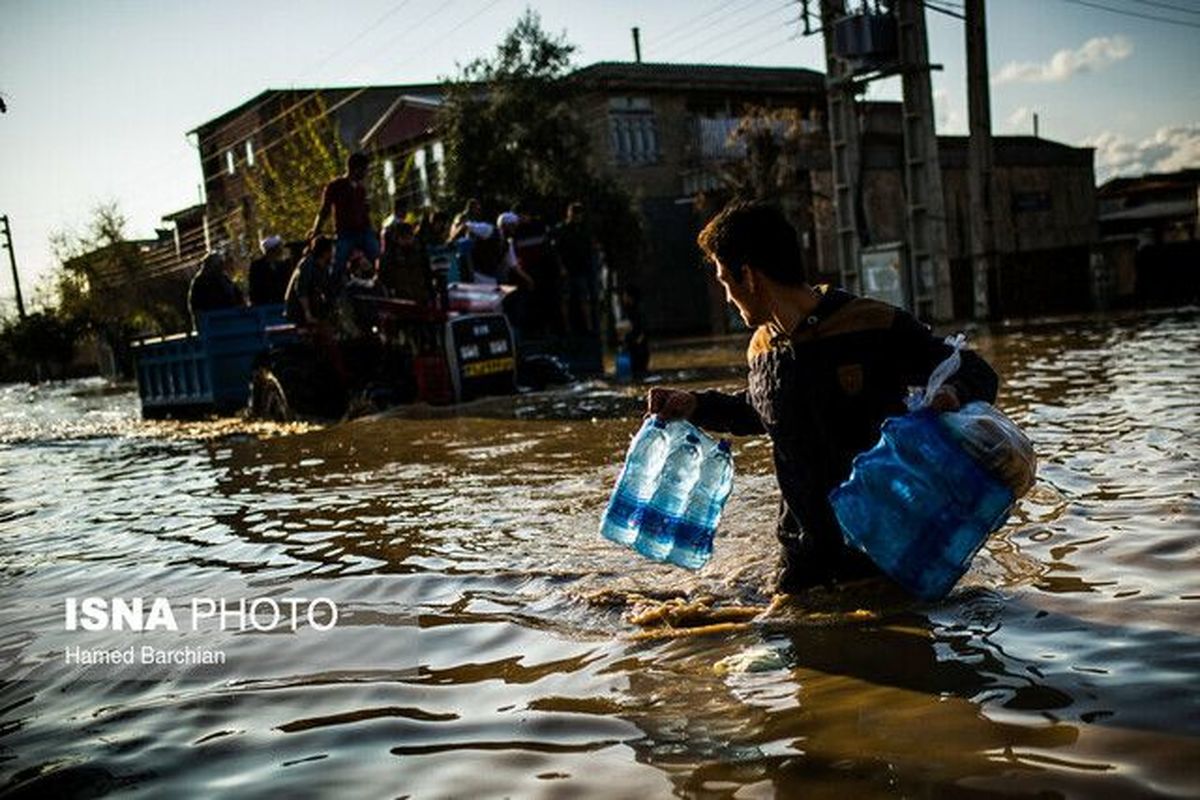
x=719 y=412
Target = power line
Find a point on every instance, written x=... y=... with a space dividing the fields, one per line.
x=739 y=45
x=773 y=10
x=690 y=26
x=372 y=27
x=682 y=46
x=763 y=50
x=1152 y=17
x=1180 y=9
x=265 y=148
x=943 y=10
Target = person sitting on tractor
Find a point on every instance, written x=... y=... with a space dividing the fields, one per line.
x=312 y=289
x=212 y=288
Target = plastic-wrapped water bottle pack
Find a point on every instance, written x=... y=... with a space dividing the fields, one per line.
x=670 y=494
x=923 y=500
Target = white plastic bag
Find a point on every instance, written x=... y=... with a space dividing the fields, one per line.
x=992 y=440
x=921 y=398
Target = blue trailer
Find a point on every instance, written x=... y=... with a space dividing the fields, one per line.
x=253 y=359
x=207 y=370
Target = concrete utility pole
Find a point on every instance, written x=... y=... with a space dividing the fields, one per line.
x=12 y=260
x=929 y=266
x=979 y=156
x=844 y=148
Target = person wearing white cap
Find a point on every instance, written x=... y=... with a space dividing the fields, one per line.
x=510 y=266
x=270 y=273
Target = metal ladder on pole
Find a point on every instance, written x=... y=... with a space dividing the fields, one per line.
x=930 y=291
x=844 y=149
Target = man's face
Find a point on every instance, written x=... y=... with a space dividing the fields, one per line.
x=740 y=294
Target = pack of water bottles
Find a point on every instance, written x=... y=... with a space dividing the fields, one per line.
x=923 y=500
x=670 y=494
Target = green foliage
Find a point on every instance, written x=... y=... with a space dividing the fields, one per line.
x=101 y=280
x=512 y=132
x=37 y=343
x=289 y=174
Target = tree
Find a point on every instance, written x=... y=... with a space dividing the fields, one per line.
x=286 y=182
x=778 y=154
x=102 y=277
x=102 y=285
x=512 y=132
x=34 y=346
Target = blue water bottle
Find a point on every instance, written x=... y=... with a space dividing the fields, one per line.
x=919 y=505
x=636 y=484
x=693 y=534
x=679 y=473
x=624 y=363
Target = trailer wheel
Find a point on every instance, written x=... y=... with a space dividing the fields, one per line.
x=268 y=398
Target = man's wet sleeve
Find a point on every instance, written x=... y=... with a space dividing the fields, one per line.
x=921 y=352
x=721 y=412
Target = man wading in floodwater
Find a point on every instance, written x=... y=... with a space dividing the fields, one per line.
x=826 y=369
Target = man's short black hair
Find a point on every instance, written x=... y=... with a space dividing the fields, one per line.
x=757 y=234
x=357 y=161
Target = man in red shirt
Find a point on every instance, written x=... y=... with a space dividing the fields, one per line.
x=347 y=196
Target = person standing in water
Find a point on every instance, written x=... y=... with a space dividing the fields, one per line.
x=826 y=369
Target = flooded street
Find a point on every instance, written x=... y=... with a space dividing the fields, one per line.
x=484 y=646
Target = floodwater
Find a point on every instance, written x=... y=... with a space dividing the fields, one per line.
x=485 y=643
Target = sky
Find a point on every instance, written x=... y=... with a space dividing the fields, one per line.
x=100 y=94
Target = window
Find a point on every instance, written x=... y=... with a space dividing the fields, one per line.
x=230 y=167
x=632 y=131
x=389 y=176
x=249 y=153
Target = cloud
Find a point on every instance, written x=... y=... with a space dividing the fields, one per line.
x=1169 y=149
x=1020 y=121
x=948 y=119
x=1093 y=56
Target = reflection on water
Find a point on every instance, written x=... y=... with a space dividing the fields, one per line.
x=484 y=646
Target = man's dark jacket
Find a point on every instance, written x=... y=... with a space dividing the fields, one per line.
x=822 y=395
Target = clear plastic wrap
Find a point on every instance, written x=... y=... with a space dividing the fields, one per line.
x=995 y=443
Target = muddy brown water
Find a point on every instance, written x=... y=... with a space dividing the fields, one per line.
x=484 y=647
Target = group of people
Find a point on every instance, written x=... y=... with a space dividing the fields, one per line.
x=555 y=268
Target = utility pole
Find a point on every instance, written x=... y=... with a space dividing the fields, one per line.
x=844 y=149
x=979 y=155
x=12 y=260
x=929 y=265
